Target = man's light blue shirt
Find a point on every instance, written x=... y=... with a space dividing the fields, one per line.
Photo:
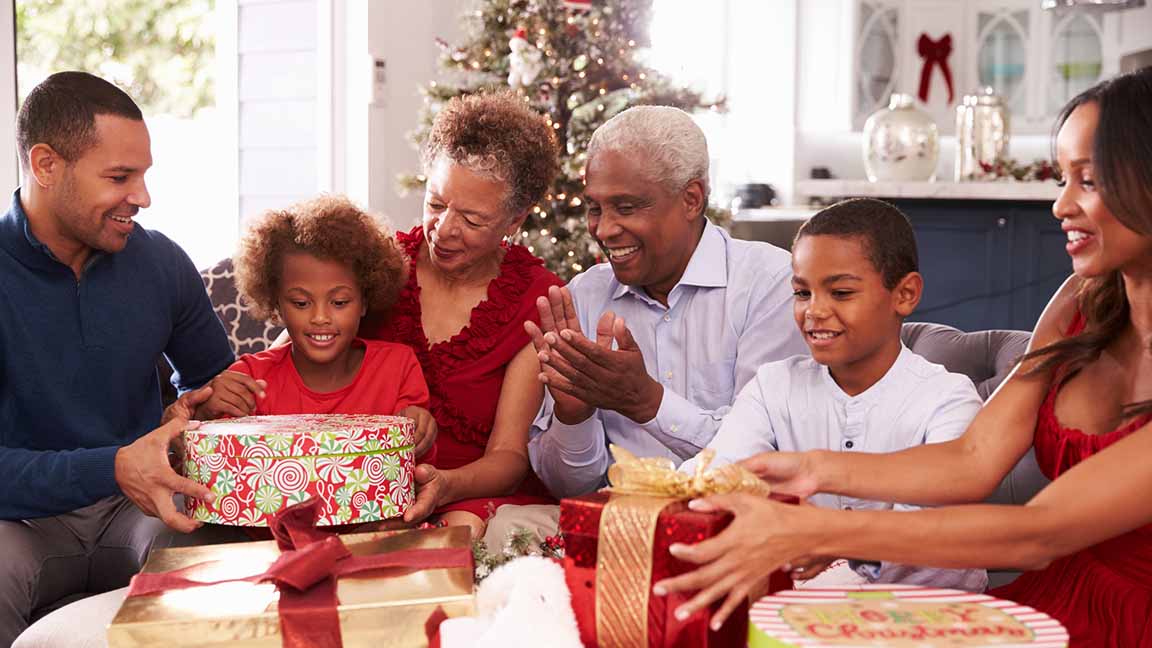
x=730 y=313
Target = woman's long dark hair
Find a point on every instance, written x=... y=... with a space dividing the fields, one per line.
x=1122 y=170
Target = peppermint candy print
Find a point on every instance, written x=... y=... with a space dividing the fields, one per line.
x=359 y=466
x=289 y=475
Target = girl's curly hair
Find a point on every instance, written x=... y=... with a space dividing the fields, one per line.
x=498 y=135
x=332 y=228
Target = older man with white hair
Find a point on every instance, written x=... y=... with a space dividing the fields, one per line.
x=649 y=350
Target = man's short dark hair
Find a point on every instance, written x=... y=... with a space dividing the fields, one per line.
x=61 y=112
x=883 y=229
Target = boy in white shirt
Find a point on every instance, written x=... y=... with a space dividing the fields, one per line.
x=855 y=279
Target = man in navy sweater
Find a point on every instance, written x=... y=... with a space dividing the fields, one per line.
x=88 y=301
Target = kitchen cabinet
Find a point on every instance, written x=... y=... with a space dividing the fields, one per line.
x=940 y=50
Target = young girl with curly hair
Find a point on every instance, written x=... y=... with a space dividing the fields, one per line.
x=318 y=267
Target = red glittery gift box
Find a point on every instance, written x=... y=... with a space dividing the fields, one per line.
x=580 y=524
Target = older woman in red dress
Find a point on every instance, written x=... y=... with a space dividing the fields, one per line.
x=488 y=160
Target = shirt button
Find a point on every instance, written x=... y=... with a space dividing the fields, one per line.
x=675 y=428
x=667 y=318
x=668 y=374
x=848 y=444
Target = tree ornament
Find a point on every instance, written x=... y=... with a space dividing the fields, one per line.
x=524 y=61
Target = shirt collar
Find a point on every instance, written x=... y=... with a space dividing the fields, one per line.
x=876 y=392
x=707 y=268
x=29 y=249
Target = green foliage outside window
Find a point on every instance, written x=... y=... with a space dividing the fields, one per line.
x=161 y=52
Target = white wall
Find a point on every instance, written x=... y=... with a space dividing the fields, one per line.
x=9 y=174
x=403 y=35
x=278 y=97
x=757 y=143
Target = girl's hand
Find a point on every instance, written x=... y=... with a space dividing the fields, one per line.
x=233 y=394
x=792 y=473
x=738 y=562
x=426 y=428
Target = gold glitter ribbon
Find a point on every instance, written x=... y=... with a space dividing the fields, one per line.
x=641 y=488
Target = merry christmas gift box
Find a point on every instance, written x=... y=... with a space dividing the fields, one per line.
x=894 y=615
x=318 y=590
x=616 y=548
x=358 y=466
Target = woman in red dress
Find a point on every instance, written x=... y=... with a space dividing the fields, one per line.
x=1082 y=396
x=488 y=160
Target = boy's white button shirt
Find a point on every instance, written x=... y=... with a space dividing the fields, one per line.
x=729 y=314
x=794 y=405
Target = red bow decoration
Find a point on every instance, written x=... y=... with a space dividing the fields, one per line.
x=305 y=574
x=934 y=53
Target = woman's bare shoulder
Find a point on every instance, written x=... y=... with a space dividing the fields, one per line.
x=1059 y=314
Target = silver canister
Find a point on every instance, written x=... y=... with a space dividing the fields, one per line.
x=981 y=133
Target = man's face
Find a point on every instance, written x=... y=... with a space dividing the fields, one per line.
x=100 y=193
x=647 y=232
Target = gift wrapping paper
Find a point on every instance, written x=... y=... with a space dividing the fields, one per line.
x=390 y=608
x=898 y=616
x=587 y=559
x=359 y=466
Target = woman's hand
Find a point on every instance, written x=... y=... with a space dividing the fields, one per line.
x=426 y=428
x=737 y=563
x=430 y=492
x=808 y=568
x=791 y=473
x=233 y=394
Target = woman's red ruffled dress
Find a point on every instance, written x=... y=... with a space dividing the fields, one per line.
x=466 y=372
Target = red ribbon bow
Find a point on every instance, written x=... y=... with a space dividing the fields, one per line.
x=305 y=574
x=934 y=53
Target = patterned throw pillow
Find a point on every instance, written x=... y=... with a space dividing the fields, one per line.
x=245 y=333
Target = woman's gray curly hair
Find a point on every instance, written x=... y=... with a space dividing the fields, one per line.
x=497 y=135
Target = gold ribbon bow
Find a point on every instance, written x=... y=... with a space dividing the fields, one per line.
x=657 y=476
x=641 y=488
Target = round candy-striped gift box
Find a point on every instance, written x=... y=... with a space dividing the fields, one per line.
x=359 y=466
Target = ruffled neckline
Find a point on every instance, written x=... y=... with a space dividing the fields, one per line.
x=484 y=330
x=1070 y=440
x=489 y=316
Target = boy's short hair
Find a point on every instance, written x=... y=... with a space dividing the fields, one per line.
x=61 y=112
x=885 y=231
x=331 y=228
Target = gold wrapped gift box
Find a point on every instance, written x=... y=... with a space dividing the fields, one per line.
x=374 y=610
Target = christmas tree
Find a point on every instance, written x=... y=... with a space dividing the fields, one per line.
x=578 y=63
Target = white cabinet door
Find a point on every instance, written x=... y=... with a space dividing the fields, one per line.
x=877 y=57
x=1035 y=59
x=1006 y=56
x=935 y=46
x=1077 y=50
